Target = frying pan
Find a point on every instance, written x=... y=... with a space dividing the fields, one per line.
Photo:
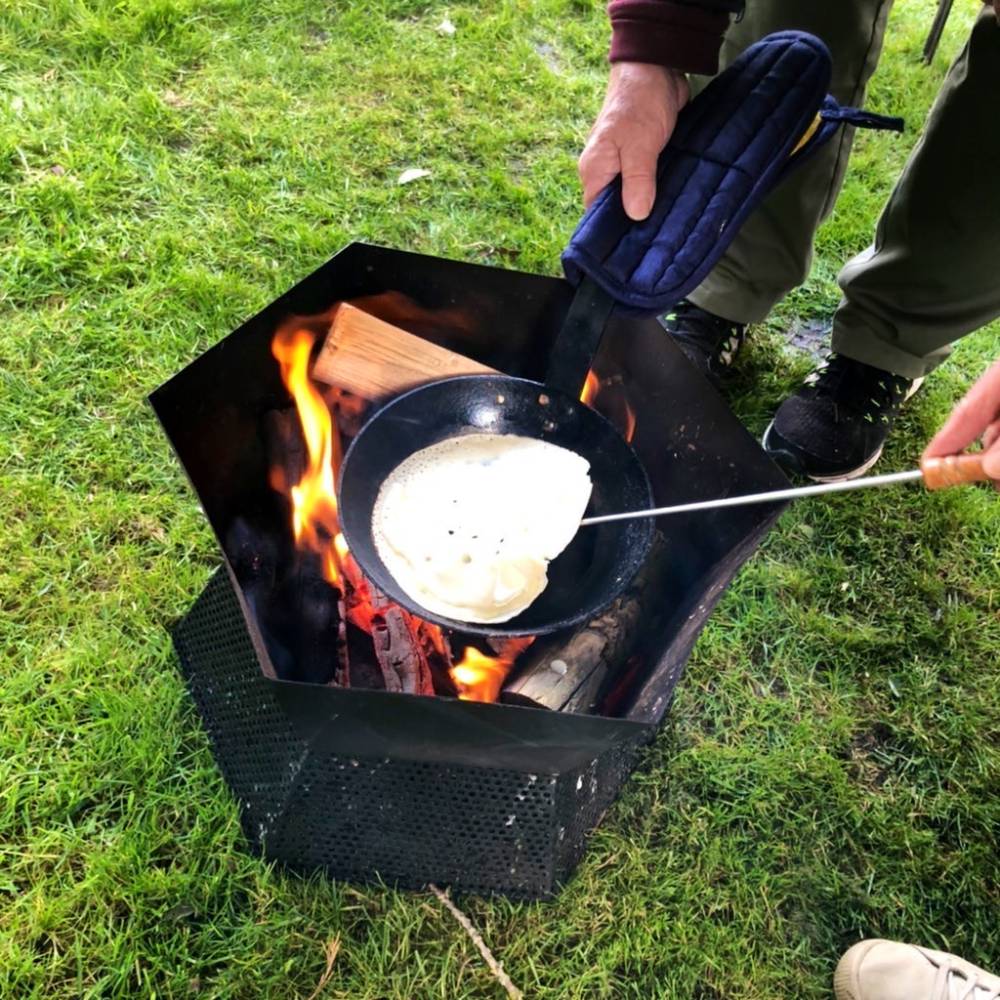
x=599 y=563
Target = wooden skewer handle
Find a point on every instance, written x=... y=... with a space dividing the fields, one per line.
x=952 y=470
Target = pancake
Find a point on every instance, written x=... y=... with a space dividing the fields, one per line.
x=468 y=526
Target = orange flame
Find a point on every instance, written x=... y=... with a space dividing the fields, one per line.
x=590 y=389
x=621 y=413
x=314 y=497
x=629 y=431
x=479 y=677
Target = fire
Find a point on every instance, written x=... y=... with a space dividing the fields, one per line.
x=615 y=406
x=314 y=497
x=316 y=528
x=629 y=431
x=340 y=546
x=590 y=388
x=479 y=677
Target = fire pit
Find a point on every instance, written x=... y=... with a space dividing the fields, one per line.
x=360 y=739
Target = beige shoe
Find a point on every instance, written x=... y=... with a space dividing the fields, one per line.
x=888 y=970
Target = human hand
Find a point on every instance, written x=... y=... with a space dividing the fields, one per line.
x=638 y=116
x=975 y=416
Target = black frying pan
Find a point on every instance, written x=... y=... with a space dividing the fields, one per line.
x=600 y=561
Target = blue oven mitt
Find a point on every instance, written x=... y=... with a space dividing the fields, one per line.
x=753 y=124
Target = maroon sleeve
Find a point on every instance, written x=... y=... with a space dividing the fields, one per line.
x=684 y=36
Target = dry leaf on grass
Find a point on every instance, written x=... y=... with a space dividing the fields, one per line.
x=413 y=174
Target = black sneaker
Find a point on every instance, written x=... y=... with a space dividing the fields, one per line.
x=710 y=342
x=836 y=425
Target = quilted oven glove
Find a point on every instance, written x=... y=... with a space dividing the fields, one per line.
x=753 y=124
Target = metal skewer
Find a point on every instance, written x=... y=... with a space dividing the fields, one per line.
x=772 y=496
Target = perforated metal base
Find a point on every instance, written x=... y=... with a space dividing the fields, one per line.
x=362 y=818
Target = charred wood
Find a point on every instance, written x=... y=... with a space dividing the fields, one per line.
x=342 y=673
x=365 y=670
x=251 y=553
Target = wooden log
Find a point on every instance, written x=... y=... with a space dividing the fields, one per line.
x=437 y=649
x=570 y=674
x=398 y=648
x=342 y=674
x=365 y=670
x=405 y=653
x=374 y=359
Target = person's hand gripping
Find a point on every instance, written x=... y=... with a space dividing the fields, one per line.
x=638 y=116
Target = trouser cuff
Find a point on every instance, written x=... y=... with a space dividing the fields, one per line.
x=863 y=343
x=734 y=299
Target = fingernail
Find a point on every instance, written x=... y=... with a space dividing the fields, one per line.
x=638 y=210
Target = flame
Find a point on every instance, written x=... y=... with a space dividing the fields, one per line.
x=616 y=409
x=314 y=496
x=340 y=546
x=629 y=431
x=479 y=677
x=590 y=388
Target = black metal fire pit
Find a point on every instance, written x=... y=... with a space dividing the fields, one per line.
x=369 y=784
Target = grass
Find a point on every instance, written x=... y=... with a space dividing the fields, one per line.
x=167 y=167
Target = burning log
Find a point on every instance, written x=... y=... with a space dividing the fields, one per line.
x=412 y=654
x=570 y=674
x=400 y=654
x=342 y=674
x=479 y=677
x=253 y=556
x=397 y=646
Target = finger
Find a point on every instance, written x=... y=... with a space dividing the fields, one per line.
x=971 y=416
x=991 y=462
x=991 y=434
x=638 y=180
x=598 y=167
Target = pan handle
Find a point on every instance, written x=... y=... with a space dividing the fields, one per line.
x=580 y=336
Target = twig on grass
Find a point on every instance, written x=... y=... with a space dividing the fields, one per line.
x=477 y=939
x=332 y=947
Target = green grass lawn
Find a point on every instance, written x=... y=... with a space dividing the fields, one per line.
x=831 y=766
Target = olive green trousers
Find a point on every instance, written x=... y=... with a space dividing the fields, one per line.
x=932 y=272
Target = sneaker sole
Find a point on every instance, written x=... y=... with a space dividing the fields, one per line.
x=842 y=477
